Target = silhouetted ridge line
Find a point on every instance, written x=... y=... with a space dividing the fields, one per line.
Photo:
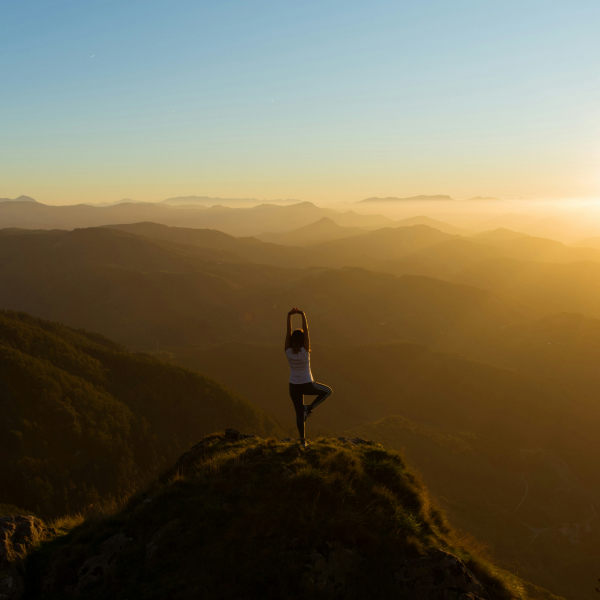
x=19 y=199
x=421 y=198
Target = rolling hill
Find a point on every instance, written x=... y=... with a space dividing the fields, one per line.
x=484 y=199
x=344 y=249
x=551 y=288
x=545 y=275
x=232 y=249
x=499 y=234
x=323 y=230
x=434 y=223
x=593 y=242
x=19 y=199
x=143 y=291
x=421 y=198
x=455 y=253
x=525 y=247
x=209 y=201
x=385 y=244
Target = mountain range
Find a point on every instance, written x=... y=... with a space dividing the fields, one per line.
x=209 y=201
x=19 y=199
x=484 y=199
x=422 y=198
x=474 y=353
x=121 y=280
x=142 y=291
x=236 y=221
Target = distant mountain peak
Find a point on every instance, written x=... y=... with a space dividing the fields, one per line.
x=19 y=199
x=421 y=198
x=325 y=221
x=501 y=233
x=484 y=199
x=434 y=223
x=208 y=200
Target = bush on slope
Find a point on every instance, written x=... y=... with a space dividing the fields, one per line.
x=81 y=418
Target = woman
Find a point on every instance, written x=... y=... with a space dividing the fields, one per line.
x=297 y=348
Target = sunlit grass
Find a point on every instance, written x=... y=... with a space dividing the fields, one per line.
x=241 y=501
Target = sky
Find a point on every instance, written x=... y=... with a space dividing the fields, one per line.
x=324 y=101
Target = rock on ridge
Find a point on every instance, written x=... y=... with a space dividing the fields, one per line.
x=18 y=534
x=197 y=451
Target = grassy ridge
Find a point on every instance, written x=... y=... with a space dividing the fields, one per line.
x=82 y=419
x=265 y=519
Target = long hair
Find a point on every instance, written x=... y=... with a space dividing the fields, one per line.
x=297 y=340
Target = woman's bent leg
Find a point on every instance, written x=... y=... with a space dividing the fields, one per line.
x=323 y=392
x=298 y=399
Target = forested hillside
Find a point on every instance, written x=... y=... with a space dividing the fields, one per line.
x=82 y=419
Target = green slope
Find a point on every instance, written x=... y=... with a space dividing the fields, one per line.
x=141 y=292
x=81 y=418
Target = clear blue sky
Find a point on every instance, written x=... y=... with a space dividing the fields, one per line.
x=315 y=100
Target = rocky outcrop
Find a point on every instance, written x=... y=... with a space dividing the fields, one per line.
x=18 y=534
x=198 y=451
x=358 y=441
x=439 y=576
x=91 y=571
x=96 y=567
x=328 y=572
x=170 y=529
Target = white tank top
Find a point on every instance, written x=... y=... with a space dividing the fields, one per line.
x=299 y=366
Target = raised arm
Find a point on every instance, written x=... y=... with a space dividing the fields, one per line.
x=288 y=331
x=305 y=328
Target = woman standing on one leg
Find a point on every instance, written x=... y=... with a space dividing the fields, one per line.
x=297 y=348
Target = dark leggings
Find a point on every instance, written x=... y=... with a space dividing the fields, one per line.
x=311 y=388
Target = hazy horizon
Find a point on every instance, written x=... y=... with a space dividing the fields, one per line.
x=326 y=102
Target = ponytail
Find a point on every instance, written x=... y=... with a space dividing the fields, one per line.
x=297 y=340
